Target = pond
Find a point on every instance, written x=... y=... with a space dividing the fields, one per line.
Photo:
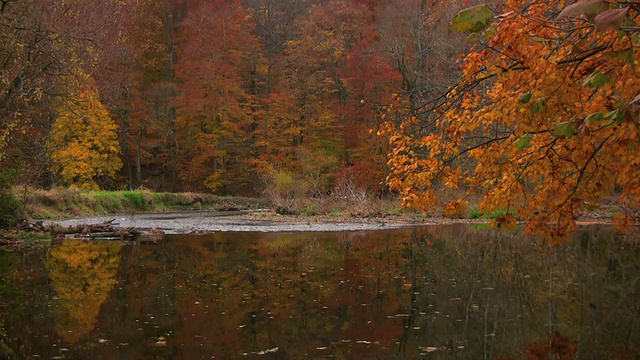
x=428 y=292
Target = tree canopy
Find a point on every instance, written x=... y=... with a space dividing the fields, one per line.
x=538 y=117
x=543 y=123
x=221 y=95
x=84 y=142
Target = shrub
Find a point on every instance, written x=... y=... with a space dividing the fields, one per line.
x=310 y=210
x=10 y=210
x=282 y=190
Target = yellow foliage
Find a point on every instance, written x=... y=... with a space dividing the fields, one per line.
x=84 y=140
x=82 y=275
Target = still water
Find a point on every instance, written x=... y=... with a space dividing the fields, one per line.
x=439 y=292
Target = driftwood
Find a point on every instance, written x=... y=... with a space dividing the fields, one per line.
x=107 y=230
x=84 y=229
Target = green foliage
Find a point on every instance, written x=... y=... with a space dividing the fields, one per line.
x=310 y=210
x=9 y=168
x=475 y=213
x=117 y=201
x=565 y=128
x=11 y=209
x=73 y=202
x=316 y=169
x=137 y=200
x=525 y=98
x=165 y=200
x=312 y=177
x=281 y=187
x=596 y=79
x=481 y=226
x=474 y=19
x=524 y=142
x=31 y=235
x=8 y=260
x=106 y=201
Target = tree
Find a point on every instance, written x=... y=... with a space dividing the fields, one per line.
x=213 y=104
x=305 y=113
x=544 y=119
x=405 y=49
x=274 y=22
x=84 y=140
x=42 y=42
x=370 y=77
x=140 y=89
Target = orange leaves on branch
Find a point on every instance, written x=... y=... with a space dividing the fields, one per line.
x=456 y=209
x=505 y=222
x=623 y=223
x=544 y=120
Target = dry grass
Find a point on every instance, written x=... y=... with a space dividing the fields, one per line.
x=62 y=202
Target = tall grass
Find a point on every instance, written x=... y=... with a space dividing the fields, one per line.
x=58 y=202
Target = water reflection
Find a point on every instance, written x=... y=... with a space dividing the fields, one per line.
x=433 y=292
x=82 y=276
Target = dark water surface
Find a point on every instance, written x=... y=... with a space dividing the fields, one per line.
x=440 y=292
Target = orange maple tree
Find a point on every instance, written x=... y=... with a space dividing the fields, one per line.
x=544 y=121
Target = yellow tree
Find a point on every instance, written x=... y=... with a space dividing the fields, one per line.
x=544 y=120
x=84 y=140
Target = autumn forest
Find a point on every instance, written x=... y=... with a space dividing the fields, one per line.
x=192 y=95
x=529 y=105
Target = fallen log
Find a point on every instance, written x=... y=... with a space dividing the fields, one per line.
x=110 y=234
x=106 y=231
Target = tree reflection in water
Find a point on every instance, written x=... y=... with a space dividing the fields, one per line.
x=429 y=292
x=82 y=276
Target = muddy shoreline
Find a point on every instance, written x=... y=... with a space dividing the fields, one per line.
x=256 y=221
x=242 y=221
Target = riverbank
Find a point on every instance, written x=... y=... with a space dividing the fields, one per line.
x=60 y=203
x=52 y=212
